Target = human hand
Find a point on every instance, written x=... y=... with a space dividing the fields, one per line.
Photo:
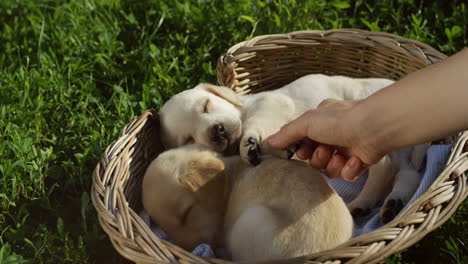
x=333 y=138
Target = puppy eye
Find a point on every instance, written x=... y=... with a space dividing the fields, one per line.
x=189 y=140
x=205 y=106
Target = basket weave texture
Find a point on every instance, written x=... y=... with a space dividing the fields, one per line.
x=265 y=63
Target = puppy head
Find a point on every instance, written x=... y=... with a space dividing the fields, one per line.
x=184 y=193
x=207 y=114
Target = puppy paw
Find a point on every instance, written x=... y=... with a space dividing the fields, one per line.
x=290 y=151
x=390 y=209
x=406 y=183
x=360 y=212
x=250 y=150
x=360 y=208
x=253 y=154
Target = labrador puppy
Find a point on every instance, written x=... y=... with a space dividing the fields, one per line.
x=228 y=123
x=278 y=209
x=220 y=119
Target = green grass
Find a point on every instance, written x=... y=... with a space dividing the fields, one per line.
x=73 y=73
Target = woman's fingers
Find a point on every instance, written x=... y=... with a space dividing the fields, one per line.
x=292 y=132
x=321 y=156
x=353 y=168
x=306 y=148
x=334 y=167
x=340 y=166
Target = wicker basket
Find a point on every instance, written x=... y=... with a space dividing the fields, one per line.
x=263 y=63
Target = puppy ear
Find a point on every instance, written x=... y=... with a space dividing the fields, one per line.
x=200 y=172
x=221 y=91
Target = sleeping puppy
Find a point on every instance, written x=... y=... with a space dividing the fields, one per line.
x=228 y=123
x=220 y=119
x=278 y=209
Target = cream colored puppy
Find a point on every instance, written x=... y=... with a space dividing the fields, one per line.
x=227 y=123
x=278 y=209
x=220 y=119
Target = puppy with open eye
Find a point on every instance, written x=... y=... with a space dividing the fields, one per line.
x=278 y=209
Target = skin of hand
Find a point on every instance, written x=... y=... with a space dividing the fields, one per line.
x=331 y=124
x=345 y=137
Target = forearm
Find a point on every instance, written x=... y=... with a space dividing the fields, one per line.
x=423 y=106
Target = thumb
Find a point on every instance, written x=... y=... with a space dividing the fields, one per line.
x=290 y=133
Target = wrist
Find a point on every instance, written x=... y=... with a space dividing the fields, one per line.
x=375 y=131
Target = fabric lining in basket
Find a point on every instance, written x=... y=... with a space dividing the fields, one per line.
x=264 y=63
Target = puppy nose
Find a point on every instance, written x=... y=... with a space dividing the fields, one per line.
x=218 y=129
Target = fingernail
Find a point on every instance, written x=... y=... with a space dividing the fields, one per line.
x=353 y=163
x=350 y=168
x=354 y=178
x=321 y=155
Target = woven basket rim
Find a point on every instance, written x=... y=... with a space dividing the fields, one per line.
x=360 y=33
x=242 y=50
x=135 y=241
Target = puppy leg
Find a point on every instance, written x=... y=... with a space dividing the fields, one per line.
x=406 y=180
x=378 y=184
x=406 y=183
x=264 y=116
